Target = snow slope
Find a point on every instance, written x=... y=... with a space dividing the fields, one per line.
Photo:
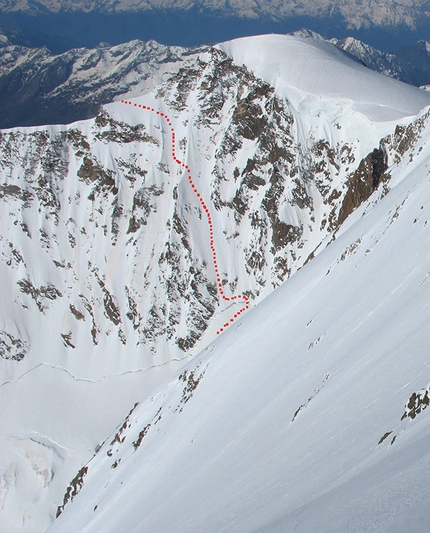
x=108 y=279
x=301 y=68
x=310 y=415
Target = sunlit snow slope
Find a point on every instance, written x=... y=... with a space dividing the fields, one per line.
x=315 y=73
x=310 y=415
x=109 y=284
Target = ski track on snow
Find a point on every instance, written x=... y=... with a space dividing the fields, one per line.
x=208 y=215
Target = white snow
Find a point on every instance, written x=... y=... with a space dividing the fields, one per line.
x=309 y=71
x=339 y=348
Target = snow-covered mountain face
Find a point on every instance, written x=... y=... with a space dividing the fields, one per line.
x=312 y=413
x=37 y=87
x=109 y=279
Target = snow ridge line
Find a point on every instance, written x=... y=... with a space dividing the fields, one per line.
x=205 y=208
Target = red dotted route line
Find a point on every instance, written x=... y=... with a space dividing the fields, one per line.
x=208 y=215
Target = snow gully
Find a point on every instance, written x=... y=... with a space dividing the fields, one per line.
x=205 y=209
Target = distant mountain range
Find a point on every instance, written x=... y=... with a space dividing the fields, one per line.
x=64 y=24
x=355 y=13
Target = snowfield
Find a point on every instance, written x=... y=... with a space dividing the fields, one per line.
x=310 y=71
x=294 y=419
x=309 y=413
